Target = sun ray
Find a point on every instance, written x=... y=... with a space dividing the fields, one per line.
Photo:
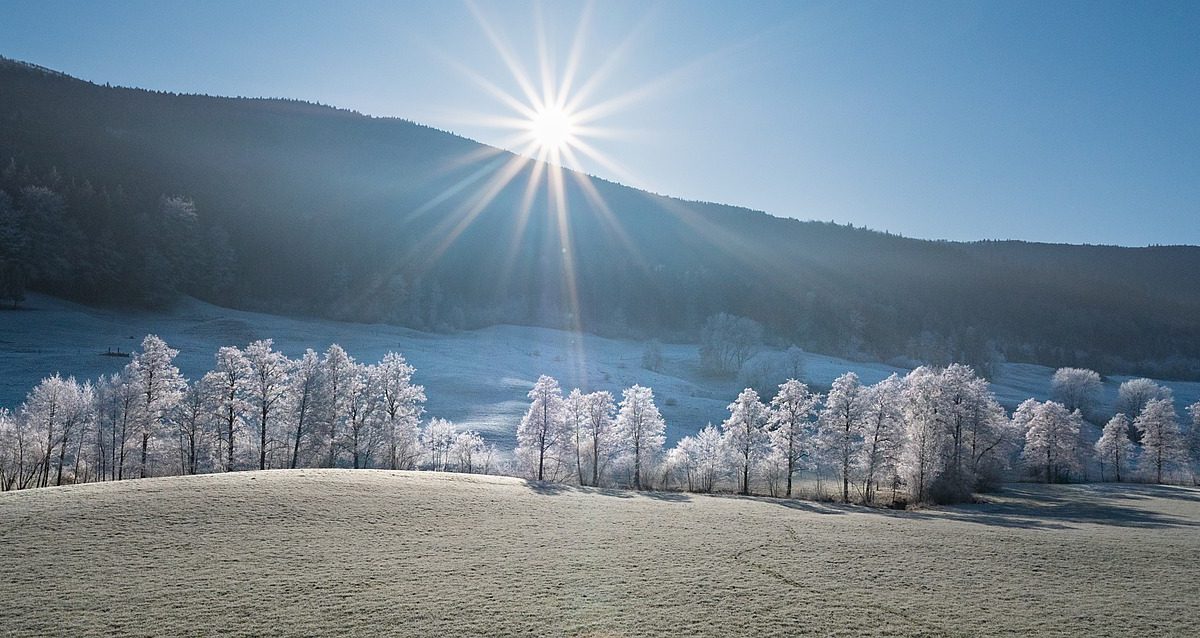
x=551 y=127
x=510 y=60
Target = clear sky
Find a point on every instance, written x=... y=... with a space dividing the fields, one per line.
x=1051 y=121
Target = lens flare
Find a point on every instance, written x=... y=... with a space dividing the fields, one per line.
x=553 y=129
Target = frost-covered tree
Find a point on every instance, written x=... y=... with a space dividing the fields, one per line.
x=192 y=418
x=1052 y=441
x=640 y=428
x=575 y=416
x=766 y=370
x=1114 y=449
x=1194 y=431
x=882 y=432
x=922 y=457
x=1163 y=445
x=652 y=356
x=711 y=457
x=229 y=383
x=338 y=373
x=1132 y=397
x=268 y=388
x=438 y=437
x=362 y=408
x=978 y=432
x=12 y=460
x=117 y=409
x=467 y=449
x=600 y=432
x=727 y=341
x=790 y=425
x=403 y=403
x=541 y=429
x=839 y=424
x=304 y=400
x=679 y=464
x=54 y=412
x=1134 y=394
x=746 y=434
x=1076 y=389
x=159 y=386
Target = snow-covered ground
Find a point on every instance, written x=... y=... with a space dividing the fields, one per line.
x=369 y=552
x=476 y=378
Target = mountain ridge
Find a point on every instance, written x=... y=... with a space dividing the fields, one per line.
x=330 y=212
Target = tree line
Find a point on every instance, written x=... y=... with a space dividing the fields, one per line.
x=932 y=435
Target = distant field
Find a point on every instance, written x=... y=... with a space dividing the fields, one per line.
x=476 y=378
x=333 y=552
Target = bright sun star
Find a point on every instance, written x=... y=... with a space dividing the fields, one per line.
x=553 y=130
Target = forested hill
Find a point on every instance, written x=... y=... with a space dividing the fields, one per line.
x=115 y=195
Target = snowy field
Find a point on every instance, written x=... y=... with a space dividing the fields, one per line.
x=372 y=552
x=477 y=379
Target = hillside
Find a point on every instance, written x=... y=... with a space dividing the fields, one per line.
x=339 y=552
x=477 y=378
x=306 y=209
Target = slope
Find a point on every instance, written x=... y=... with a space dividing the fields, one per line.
x=331 y=213
x=477 y=378
x=329 y=552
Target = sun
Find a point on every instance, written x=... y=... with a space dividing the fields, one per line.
x=553 y=129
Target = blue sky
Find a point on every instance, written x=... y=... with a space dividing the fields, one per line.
x=1048 y=121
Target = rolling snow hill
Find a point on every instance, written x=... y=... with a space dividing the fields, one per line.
x=367 y=552
x=477 y=378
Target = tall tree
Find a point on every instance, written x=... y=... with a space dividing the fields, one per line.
x=977 y=431
x=640 y=427
x=403 y=404
x=746 y=432
x=575 y=416
x=1052 y=440
x=600 y=434
x=159 y=385
x=337 y=375
x=541 y=429
x=1194 y=431
x=790 y=424
x=711 y=457
x=362 y=410
x=268 y=387
x=839 y=423
x=1163 y=445
x=922 y=457
x=882 y=432
x=230 y=383
x=1114 y=448
x=191 y=417
x=304 y=400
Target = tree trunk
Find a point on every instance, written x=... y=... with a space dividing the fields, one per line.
x=62 y=455
x=299 y=431
x=595 y=462
x=145 y=444
x=262 y=439
x=791 y=466
x=229 y=432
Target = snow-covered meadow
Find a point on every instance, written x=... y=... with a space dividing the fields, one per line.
x=371 y=552
x=478 y=379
